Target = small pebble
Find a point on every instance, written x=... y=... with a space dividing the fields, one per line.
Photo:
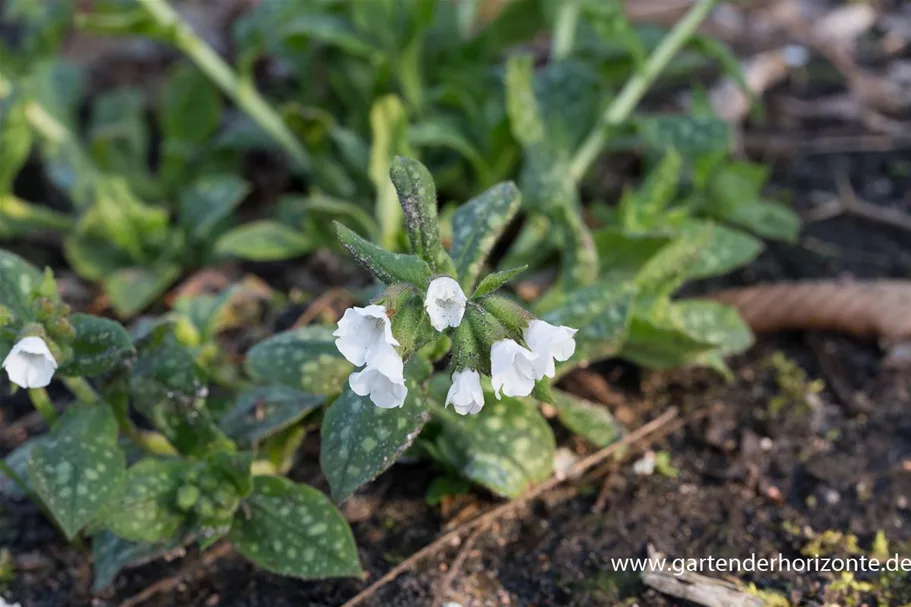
x=645 y=465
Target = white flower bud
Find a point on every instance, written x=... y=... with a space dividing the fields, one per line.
x=549 y=343
x=30 y=363
x=512 y=368
x=465 y=393
x=445 y=303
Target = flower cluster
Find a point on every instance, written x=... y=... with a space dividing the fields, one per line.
x=365 y=337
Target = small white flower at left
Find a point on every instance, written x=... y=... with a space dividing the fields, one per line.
x=385 y=391
x=465 y=393
x=30 y=363
x=365 y=336
x=445 y=303
x=549 y=343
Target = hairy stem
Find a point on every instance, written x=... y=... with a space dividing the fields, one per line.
x=242 y=92
x=43 y=405
x=638 y=85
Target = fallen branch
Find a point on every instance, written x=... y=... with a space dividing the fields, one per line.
x=488 y=517
x=699 y=589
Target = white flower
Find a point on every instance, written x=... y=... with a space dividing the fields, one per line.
x=512 y=368
x=465 y=393
x=549 y=343
x=30 y=363
x=365 y=336
x=385 y=391
x=445 y=303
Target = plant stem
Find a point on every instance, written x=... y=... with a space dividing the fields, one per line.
x=81 y=389
x=638 y=85
x=43 y=405
x=565 y=30
x=241 y=91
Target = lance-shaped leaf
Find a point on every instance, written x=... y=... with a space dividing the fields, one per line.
x=767 y=219
x=305 y=359
x=111 y=554
x=264 y=240
x=17 y=279
x=525 y=117
x=666 y=271
x=657 y=342
x=692 y=136
x=601 y=313
x=493 y=282
x=15 y=136
x=100 y=345
x=146 y=508
x=418 y=197
x=722 y=249
x=208 y=200
x=591 y=421
x=293 y=529
x=639 y=212
x=507 y=448
x=133 y=289
x=79 y=468
x=477 y=225
x=713 y=322
x=360 y=440
x=389 y=125
x=264 y=411
x=386 y=266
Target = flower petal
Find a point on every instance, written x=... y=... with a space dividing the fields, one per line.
x=445 y=303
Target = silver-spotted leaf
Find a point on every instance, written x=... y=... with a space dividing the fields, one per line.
x=387 y=267
x=79 y=468
x=305 y=359
x=293 y=529
x=507 y=448
x=361 y=440
x=418 y=196
x=591 y=421
x=111 y=554
x=725 y=249
x=146 y=508
x=264 y=411
x=100 y=345
x=17 y=279
x=477 y=225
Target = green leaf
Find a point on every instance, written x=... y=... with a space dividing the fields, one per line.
x=209 y=200
x=525 y=115
x=18 y=217
x=477 y=225
x=17 y=279
x=659 y=343
x=690 y=135
x=724 y=250
x=15 y=138
x=169 y=389
x=733 y=183
x=79 y=468
x=418 y=197
x=591 y=421
x=361 y=440
x=494 y=281
x=131 y=290
x=387 y=267
x=111 y=554
x=146 y=508
x=328 y=29
x=767 y=219
x=389 y=125
x=263 y=240
x=622 y=254
x=264 y=411
x=644 y=209
x=667 y=269
x=118 y=133
x=191 y=105
x=100 y=345
x=715 y=323
x=17 y=460
x=601 y=313
x=305 y=359
x=436 y=132
x=507 y=448
x=294 y=530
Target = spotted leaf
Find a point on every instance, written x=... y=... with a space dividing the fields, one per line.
x=146 y=509
x=17 y=279
x=100 y=345
x=591 y=421
x=111 y=554
x=477 y=225
x=507 y=448
x=264 y=411
x=305 y=359
x=385 y=266
x=293 y=529
x=79 y=468
x=360 y=440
